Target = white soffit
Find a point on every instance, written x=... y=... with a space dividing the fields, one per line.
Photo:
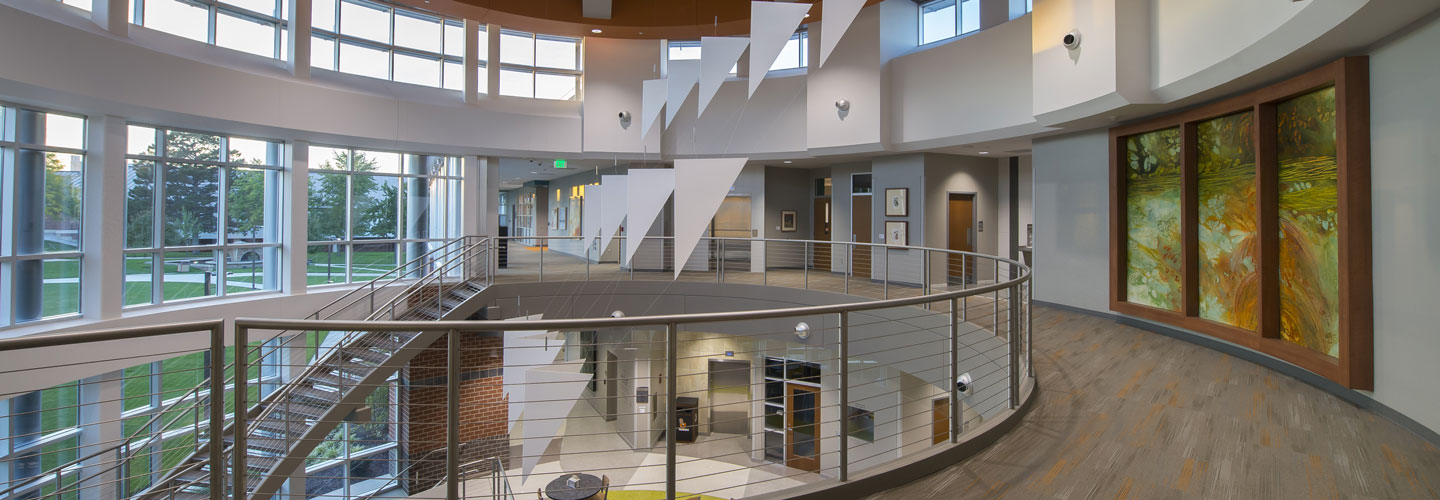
x=838 y=16
x=590 y=216
x=652 y=100
x=771 y=25
x=612 y=213
x=682 y=77
x=700 y=187
x=717 y=55
x=652 y=187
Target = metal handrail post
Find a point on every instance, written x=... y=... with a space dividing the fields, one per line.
x=587 y=262
x=925 y=275
x=885 y=286
x=995 y=317
x=543 y=244
x=217 y=412
x=1014 y=351
x=955 y=426
x=849 y=261
x=764 y=263
x=720 y=262
x=844 y=395
x=1030 y=327
x=809 y=256
x=238 y=460
x=672 y=339
x=452 y=416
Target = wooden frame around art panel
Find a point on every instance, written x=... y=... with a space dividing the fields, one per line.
x=790 y=225
x=1354 y=368
x=904 y=225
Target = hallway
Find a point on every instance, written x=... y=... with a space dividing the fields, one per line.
x=1125 y=413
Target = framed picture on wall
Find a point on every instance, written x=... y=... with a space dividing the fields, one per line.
x=897 y=202
x=897 y=232
x=787 y=221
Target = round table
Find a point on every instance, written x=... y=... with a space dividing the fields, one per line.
x=560 y=489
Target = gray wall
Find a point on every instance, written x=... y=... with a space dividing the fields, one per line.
x=946 y=174
x=1071 y=221
x=788 y=189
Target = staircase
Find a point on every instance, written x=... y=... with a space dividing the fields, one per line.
x=285 y=426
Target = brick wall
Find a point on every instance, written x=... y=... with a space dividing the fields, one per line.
x=483 y=408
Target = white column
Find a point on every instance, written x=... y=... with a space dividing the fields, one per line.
x=298 y=57
x=104 y=215
x=297 y=180
x=492 y=60
x=112 y=15
x=100 y=426
x=472 y=62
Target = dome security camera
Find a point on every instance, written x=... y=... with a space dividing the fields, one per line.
x=1071 y=40
x=624 y=116
x=963 y=384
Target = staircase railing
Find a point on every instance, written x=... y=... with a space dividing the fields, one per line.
x=134 y=445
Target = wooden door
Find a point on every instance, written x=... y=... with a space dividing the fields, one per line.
x=962 y=236
x=820 y=253
x=940 y=421
x=802 y=427
x=862 y=232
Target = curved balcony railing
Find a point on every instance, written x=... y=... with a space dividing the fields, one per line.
x=757 y=395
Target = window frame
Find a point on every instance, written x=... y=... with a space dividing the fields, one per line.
x=535 y=70
x=214 y=8
x=959 y=20
x=9 y=254
x=157 y=248
x=338 y=39
x=349 y=240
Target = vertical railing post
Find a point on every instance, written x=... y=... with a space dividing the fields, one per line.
x=809 y=257
x=452 y=416
x=238 y=451
x=925 y=275
x=1030 y=324
x=587 y=262
x=885 y=292
x=543 y=244
x=955 y=424
x=217 y=412
x=849 y=261
x=995 y=317
x=672 y=340
x=764 y=262
x=1014 y=335
x=720 y=262
x=844 y=363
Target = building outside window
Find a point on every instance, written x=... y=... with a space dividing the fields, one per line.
x=43 y=431
x=202 y=215
x=371 y=211
x=688 y=50
x=539 y=66
x=254 y=26
x=43 y=160
x=81 y=4
x=944 y=19
x=382 y=41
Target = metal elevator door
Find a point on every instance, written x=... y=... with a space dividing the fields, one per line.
x=729 y=393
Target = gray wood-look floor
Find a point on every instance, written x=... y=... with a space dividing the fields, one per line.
x=1125 y=413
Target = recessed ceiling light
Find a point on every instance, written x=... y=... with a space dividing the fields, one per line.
x=596 y=30
x=787 y=161
x=807 y=15
x=984 y=152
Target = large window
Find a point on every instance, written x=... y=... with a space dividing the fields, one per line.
x=202 y=215
x=43 y=433
x=689 y=50
x=539 y=66
x=943 y=19
x=391 y=43
x=253 y=26
x=43 y=159
x=83 y=4
x=371 y=211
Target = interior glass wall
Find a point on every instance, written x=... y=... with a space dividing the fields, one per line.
x=43 y=160
x=371 y=211
x=202 y=215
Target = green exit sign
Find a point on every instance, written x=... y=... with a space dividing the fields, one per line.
x=560 y=164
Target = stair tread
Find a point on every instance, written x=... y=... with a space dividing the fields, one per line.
x=367 y=355
x=305 y=393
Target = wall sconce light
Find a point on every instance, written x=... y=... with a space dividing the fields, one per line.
x=802 y=330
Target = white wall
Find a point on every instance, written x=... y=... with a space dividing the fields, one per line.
x=1404 y=125
x=962 y=174
x=852 y=73
x=1072 y=220
x=772 y=121
x=614 y=70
